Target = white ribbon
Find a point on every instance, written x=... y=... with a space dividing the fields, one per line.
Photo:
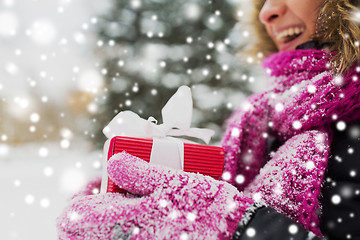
x=176 y=115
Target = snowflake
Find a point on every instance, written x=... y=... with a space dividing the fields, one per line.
x=173 y=215
x=212 y=20
x=225 y=67
x=48 y=171
x=278 y=189
x=341 y=125
x=43 y=31
x=235 y=132
x=184 y=236
x=12 y=68
x=92 y=108
x=311 y=89
x=43 y=152
x=226 y=176
x=64 y=143
x=356 y=16
x=338 y=158
x=296 y=125
x=17 y=183
x=336 y=199
x=29 y=199
x=346 y=191
x=45 y=203
x=121 y=63
x=279 y=107
x=191 y=217
x=74 y=216
x=78 y=164
x=163 y=203
x=251 y=232
x=310 y=165
x=250 y=60
x=293 y=229
x=354 y=132
x=154 y=92
x=189 y=39
x=97 y=164
x=205 y=72
x=338 y=80
x=240 y=179
x=135 y=231
x=18 y=52
x=162 y=64
x=257 y=197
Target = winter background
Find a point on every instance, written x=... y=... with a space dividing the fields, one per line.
x=68 y=66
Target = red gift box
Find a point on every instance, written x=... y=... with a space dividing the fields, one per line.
x=207 y=160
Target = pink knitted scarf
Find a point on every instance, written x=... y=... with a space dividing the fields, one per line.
x=305 y=95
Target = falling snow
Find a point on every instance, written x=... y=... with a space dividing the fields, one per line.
x=38 y=187
x=59 y=84
x=336 y=199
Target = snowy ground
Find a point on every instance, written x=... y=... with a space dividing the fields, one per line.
x=36 y=180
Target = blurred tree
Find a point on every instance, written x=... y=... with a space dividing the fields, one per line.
x=151 y=47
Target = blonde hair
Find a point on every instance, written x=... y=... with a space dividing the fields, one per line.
x=338 y=25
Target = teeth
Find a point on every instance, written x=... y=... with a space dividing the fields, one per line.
x=289 y=32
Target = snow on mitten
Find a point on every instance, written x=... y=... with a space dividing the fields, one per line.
x=290 y=182
x=173 y=205
x=92 y=187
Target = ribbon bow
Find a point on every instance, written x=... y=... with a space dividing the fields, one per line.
x=176 y=115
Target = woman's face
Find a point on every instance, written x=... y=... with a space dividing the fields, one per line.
x=290 y=22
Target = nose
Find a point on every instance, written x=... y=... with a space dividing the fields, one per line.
x=271 y=10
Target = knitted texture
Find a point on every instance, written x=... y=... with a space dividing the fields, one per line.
x=304 y=96
x=168 y=204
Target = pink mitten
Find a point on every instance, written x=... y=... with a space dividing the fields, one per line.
x=291 y=181
x=173 y=205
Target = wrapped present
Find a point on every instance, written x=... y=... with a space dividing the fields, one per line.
x=158 y=144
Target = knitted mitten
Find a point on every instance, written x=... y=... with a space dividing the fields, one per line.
x=171 y=204
x=291 y=181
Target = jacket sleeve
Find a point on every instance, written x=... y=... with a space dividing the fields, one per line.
x=268 y=224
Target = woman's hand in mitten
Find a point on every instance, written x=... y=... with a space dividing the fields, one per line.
x=174 y=205
x=290 y=182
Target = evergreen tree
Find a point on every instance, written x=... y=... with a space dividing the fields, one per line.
x=151 y=47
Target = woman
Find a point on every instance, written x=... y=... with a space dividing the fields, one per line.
x=279 y=149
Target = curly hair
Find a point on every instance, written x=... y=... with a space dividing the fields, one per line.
x=337 y=25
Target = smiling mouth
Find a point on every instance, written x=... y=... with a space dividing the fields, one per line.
x=289 y=34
